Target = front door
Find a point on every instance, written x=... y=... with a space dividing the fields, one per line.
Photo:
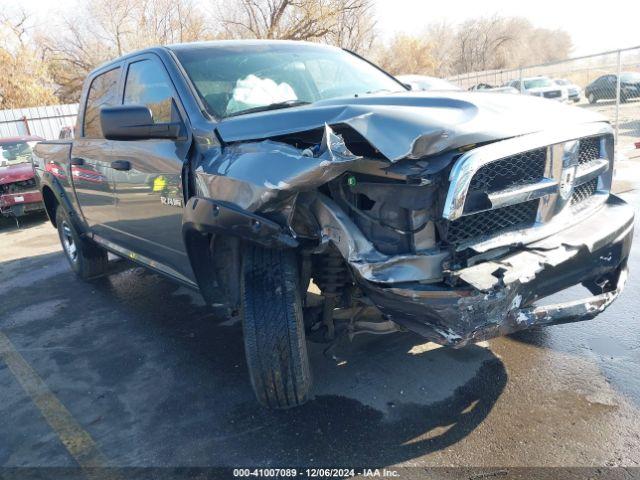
x=91 y=171
x=148 y=176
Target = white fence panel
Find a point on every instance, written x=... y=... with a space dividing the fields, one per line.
x=44 y=122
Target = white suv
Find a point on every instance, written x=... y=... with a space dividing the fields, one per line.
x=540 y=87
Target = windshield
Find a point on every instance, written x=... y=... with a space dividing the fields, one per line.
x=562 y=82
x=235 y=79
x=13 y=153
x=537 y=83
x=630 y=77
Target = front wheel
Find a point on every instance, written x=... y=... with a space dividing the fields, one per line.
x=86 y=258
x=592 y=98
x=274 y=339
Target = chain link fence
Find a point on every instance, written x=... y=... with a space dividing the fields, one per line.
x=608 y=83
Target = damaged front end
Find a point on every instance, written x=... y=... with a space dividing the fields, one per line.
x=459 y=245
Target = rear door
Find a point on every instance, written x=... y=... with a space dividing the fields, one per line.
x=91 y=156
x=608 y=87
x=149 y=192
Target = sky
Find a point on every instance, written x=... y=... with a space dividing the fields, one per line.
x=601 y=27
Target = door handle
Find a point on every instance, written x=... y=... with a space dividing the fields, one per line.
x=77 y=162
x=121 y=165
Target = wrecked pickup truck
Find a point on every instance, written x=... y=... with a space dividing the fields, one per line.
x=250 y=170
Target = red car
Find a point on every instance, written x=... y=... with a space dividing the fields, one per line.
x=19 y=193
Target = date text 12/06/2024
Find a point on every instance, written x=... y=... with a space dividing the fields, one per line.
x=315 y=472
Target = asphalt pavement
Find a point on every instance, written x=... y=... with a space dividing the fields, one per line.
x=132 y=370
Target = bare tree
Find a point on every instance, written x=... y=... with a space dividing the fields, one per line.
x=407 y=54
x=348 y=23
x=505 y=42
x=441 y=37
x=355 y=27
x=59 y=59
x=26 y=82
x=481 y=43
x=110 y=28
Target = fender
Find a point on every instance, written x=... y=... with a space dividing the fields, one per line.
x=47 y=179
x=206 y=215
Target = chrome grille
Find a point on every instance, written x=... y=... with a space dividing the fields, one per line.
x=523 y=185
x=520 y=169
x=589 y=150
x=584 y=191
x=521 y=215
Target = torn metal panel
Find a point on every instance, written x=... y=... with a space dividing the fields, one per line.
x=362 y=256
x=213 y=216
x=264 y=175
x=564 y=312
x=520 y=267
x=523 y=265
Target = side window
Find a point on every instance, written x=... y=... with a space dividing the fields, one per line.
x=148 y=84
x=103 y=92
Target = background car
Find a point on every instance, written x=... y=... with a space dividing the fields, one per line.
x=19 y=193
x=540 y=87
x=423 y=82
x=605 y=87
x=485 y=87
x=573 y=90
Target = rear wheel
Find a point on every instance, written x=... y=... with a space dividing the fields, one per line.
x=87 y=260
x=274 y=338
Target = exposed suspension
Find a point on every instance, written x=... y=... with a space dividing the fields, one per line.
x=332 y=276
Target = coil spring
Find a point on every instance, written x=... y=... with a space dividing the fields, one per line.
x=332 y=274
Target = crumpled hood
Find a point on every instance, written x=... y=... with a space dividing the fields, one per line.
x=16 y=173
x=414 y=124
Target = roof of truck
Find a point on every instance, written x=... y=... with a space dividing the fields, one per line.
x=238 y=43
x=207 y=44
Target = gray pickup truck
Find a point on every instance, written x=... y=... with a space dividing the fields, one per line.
x=310 y=193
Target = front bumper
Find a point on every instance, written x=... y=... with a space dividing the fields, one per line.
x=499 y=294
x=17 y=204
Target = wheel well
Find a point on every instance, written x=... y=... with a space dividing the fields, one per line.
x=50 y=204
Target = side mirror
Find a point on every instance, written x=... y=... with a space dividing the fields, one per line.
x=135 y=122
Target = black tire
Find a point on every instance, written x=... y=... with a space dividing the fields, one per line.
x=86 y=258
x=272 y=321
x=592 y=98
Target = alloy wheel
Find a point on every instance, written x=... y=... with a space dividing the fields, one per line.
x=69 y=243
